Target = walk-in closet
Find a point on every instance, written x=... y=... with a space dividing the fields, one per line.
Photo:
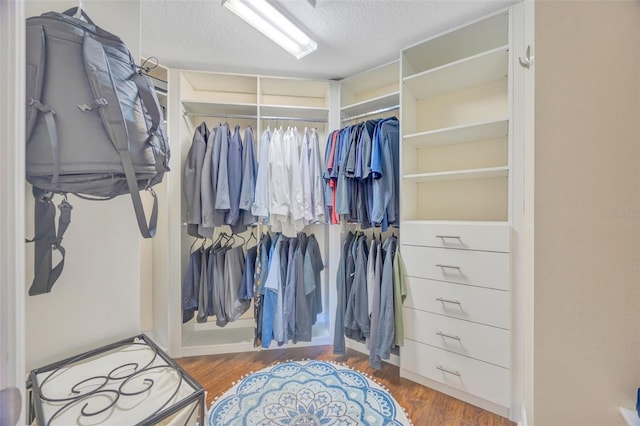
x=404 y=213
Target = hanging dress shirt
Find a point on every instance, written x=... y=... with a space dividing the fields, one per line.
x=249 y=171
x=305 y=173
x=191 y=180
x=261 y=203
x=219 y=175
x=234 y=172
x=315 y=171
x=207 y=191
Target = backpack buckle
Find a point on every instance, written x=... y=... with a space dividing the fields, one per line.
x=98 y=103
x=39 y=105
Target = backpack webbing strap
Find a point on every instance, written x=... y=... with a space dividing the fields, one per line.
x=53 y=136
x=46 y=240
x=145 y=89
x=150 y=102
x=102 y=86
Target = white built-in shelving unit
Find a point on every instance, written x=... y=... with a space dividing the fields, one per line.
x=456 y=195
x=244 y=100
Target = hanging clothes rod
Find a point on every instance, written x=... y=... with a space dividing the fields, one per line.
x=255 y=117
x=367 y=114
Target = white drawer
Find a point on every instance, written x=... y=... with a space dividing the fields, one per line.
x=480 y=268
x=488 y=237
x=477 y=341
x=477 y=378
x=482 y=305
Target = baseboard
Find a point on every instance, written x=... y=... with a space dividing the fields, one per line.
x=523 y=416
x=456 y=393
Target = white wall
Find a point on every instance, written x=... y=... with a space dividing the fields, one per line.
x=587 y=258
x=98 y=298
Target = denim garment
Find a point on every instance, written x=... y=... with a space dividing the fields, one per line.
x=386 y=323
x=356 y=319
x=271 y=286
x=246 y=290
x=372 y=344
x=190 y=283
x=203 y=291
x=261 y=270
x=385 y=149
x=341 y=287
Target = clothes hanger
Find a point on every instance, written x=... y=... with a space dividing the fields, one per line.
x=195 y=240
x=246 y=244
x=217 y=239
x=244 y=241
x=79 y=9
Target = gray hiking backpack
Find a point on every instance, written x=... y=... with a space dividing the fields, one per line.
x=94 y=128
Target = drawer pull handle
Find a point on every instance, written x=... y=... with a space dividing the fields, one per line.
x=455 y=373
x=455 y=302
x=441 y=334
x=439 y=265
x=448 y=237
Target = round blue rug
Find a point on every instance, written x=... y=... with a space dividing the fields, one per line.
x=306 y=393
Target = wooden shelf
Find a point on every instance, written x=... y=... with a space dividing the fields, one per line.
x=461 y=42
x=459 y=134
x=316 y=113
x=468 y=72
x=372 y=80
x=372 y=104
x=486 y=173
x=196 y=108
x=211 y=324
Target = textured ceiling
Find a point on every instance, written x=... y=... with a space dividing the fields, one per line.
x=352 y=35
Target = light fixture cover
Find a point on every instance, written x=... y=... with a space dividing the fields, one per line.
x=270 y=22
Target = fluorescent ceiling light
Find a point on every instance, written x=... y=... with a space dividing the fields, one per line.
x=270 y=22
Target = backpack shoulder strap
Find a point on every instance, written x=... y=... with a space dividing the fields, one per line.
x=103 y=88
x=36 y=60
x=151 y=104
x=46 y=240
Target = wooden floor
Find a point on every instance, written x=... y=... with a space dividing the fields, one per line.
x=424 y=406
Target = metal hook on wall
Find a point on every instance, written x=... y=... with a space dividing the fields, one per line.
x=526 y=62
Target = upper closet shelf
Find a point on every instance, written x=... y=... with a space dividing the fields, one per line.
x=203 y=109
x=315 y=113
x=459 y=134
x=373 y=104
x=476 y=70
x=485 y=173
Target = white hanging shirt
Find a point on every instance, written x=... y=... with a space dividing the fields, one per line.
x=261 y=202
